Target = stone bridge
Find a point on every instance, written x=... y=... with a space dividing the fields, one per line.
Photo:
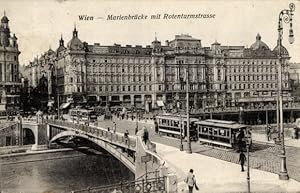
x=139 y=157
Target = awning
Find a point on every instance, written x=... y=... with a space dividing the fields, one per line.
x=160 y=103
x=2 y=108
x=64 y=105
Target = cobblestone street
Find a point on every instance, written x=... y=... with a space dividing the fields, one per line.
x=263 y=156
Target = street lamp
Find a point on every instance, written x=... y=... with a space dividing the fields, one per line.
x=286 y=16
x=189 y=148
x=248 y=142
x=136 y=120
x=180 y=120
x=57 y=90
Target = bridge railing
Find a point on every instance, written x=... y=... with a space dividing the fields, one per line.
x=31 y=119
x=115 y=138
x=149 y=185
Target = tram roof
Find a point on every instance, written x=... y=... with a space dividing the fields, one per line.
x=221 y=123
x=82 y=110
x=175 y=117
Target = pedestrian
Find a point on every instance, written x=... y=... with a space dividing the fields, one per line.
x=108 y=129
x=242 y=160
x=145 y=135
x=114 y=127
x=191 y=181
x=156 y=127
x=126 y=135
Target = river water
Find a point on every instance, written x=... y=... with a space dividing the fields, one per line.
x=62 y=175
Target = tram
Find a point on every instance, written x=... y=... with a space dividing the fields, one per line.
x=226 y=134
x=83 y=115
x=169 y=125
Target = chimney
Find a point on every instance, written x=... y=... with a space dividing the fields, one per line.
x=167 y=42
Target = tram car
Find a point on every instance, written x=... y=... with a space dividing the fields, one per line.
x=83 y=115
x=169 y=125
x=225 y=134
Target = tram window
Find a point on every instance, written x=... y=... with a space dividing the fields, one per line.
x=222 y=132
x=215 y=131
x=210 y=131
x=204 y=129
x=176 y=124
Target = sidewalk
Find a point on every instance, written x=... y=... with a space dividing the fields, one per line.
x=215 y=175
x=287 y=141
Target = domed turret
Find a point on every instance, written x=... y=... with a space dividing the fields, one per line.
x=283 y=50
x=75 y=43
x=258 y=44
x=4 y=31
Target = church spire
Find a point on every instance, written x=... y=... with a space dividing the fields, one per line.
x=75 y=32
x=61 y=41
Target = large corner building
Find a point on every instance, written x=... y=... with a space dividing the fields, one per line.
x=155 y=75
x=9 y=69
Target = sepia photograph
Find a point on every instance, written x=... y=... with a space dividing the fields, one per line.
x=167 y=96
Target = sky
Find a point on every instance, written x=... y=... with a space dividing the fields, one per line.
x=40 y=24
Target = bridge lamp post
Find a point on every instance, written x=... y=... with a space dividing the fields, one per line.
x=248 y=142
x=136 y=120
x=57 y=90
x=286 y=16
x=189 y=148
x=21 y=130
x=180 y=120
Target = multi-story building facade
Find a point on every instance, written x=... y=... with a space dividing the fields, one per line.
x=152 y=76
x=9 y=69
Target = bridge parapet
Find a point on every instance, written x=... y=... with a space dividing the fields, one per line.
x=147 y=164
x=117 y=139
x=32 y=119
x=150 y=165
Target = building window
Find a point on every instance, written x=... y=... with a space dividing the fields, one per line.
x=150 y=87
x=134 y=88
x=159 y=87
x=140 y=88
x=128 y=88
x=123 y=88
